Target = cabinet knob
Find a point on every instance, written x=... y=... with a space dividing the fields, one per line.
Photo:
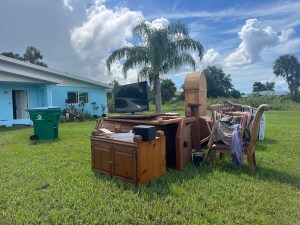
x=110 y=162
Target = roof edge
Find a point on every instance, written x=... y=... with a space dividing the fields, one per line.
x=53 y=71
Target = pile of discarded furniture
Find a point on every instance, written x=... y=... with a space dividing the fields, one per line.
x=137 y=148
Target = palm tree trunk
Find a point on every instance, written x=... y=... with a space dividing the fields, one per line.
x=157 y=89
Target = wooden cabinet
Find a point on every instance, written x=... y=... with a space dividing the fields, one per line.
x=177 y=131
x=118 y=155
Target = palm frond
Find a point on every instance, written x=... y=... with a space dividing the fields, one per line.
x=187 y=43
x=116 y=55
x=177 y=61
x=136 y=55
x=144 y=73
x=142 y=30
x=177 y=28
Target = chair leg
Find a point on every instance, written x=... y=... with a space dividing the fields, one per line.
x=222 y=156
x=250 y=163
x=213 y=159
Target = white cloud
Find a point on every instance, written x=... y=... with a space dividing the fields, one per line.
x=67 y=5
x=117 y=74
x=99 y=2
x=254 y=40
x=280 y=83
x=210 y=58
x=104 y=30
x=286 y=34
x=159 y=23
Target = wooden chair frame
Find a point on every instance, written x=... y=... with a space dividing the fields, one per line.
x=249 y=150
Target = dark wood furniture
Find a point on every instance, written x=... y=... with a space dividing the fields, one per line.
x=177 y=131
x=126 y=156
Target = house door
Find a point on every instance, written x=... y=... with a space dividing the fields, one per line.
x=20 y=104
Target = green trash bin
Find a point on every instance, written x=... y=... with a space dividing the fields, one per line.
x=45 y=122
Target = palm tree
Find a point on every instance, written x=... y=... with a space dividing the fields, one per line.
x=162 y=50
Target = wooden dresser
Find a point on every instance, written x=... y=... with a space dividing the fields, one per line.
x=126 y=156
x=177 y=131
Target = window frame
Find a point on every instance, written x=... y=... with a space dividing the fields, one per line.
x=78 y=96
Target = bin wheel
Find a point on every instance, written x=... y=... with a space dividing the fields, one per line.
x=34 y=138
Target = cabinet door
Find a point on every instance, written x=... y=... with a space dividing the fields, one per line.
x=124 y=160
x=102 y=157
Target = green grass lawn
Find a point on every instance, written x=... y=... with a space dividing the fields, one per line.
x=53 y=183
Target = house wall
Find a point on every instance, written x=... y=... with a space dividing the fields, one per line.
x=35 y=97
x=45 y=87
x=98 y=95
x=43 y=95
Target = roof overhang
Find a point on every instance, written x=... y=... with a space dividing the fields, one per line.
x=46 y=71
x=16 y=72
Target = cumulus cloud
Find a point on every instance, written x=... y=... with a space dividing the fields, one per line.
x=254 y=40
x=210 y=58
x=67 y=5
x=116 y=73
x=159 y=23
x=104 y=30
x=286 y=34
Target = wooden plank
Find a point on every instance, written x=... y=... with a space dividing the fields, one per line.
x=183 y=144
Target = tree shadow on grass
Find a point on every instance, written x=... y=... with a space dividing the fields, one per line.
x=263 y=145
x=268 y=174
x=261 y=173
x=162 y=186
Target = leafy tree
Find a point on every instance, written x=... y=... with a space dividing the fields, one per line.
x=288 y=67
x=12 y=55
x=270 y=86
x=31 y=55
x=162 y=50
x=182 y=94
x=168 y=90
x=218 y=83
x=110 y=96
x=235 y=93
x=258 y=86
x=110 y=92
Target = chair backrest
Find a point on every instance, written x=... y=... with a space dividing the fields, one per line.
x=215 y=109
x=255 y=126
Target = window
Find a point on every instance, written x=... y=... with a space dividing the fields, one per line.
x=83 y=97
x=78 y=97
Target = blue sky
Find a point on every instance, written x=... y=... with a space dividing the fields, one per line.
x=244 y=38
